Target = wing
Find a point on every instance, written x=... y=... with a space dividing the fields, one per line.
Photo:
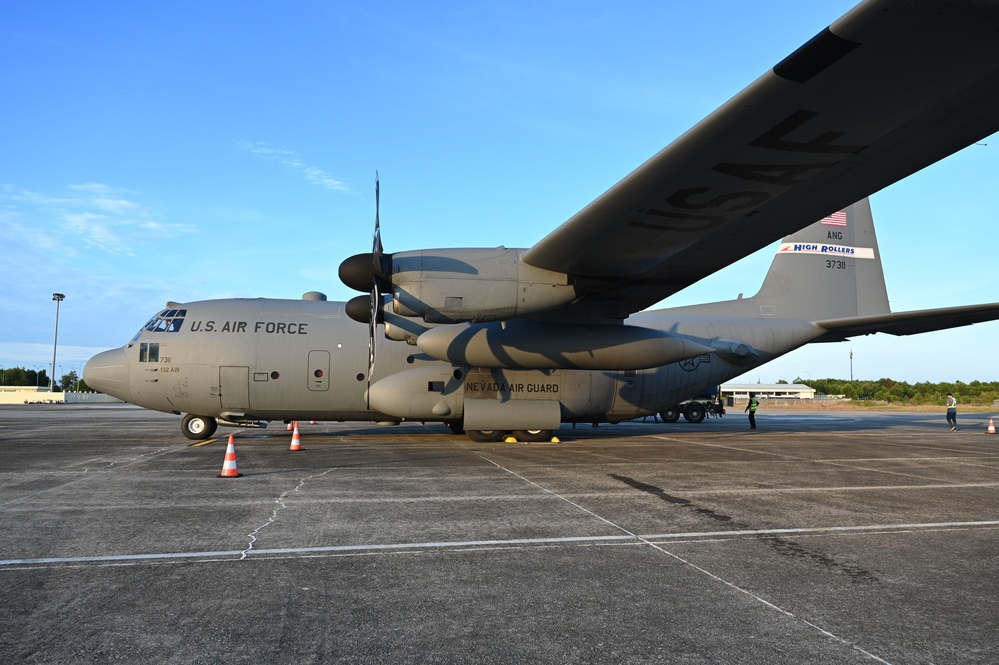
x=886 y=90
x=908 y=323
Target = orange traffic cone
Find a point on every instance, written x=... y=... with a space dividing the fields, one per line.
x=296 y=439
x=288 y=428
x=312 y=422
x=229 y=469
x=992 y=428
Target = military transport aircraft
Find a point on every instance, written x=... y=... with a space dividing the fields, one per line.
x=495 y=341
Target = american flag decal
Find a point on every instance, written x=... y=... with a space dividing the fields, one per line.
x=835 y=219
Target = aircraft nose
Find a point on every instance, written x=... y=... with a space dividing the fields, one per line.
x=107 y=372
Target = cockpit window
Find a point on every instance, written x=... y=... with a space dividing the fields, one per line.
x=169 y=320
x=148 y=323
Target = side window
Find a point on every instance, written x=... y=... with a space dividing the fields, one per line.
x=149 y=352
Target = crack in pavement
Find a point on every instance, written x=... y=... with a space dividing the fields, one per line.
x=281 y=505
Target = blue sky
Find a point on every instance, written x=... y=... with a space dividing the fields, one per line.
x=186 y=151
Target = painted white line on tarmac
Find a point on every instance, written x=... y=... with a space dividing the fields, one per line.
x=513 y=542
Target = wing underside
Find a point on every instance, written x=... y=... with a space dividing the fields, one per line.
x=886 y=90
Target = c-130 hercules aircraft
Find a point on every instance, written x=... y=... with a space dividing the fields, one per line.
x=497 y=341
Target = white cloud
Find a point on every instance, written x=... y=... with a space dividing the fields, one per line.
x=95 y=215
x=94 y=230
x=107 y=198
x=293 y=161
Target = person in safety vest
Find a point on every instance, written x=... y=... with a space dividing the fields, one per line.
x=952 y=412
x=751 y=408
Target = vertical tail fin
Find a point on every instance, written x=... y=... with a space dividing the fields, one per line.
x=831 y=269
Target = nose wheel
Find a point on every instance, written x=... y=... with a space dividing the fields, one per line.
x=198 y=427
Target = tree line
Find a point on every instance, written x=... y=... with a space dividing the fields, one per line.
x=22 y=376
x=982 y=393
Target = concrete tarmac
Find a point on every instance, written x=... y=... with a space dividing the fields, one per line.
x=838 y=537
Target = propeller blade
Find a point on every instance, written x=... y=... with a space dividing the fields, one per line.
x=372 y=332
x=376 y=248
x=376 y=297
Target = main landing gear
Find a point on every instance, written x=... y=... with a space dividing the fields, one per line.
x=525 y=435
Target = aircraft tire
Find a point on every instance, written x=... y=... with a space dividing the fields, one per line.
x=485 y=435
x=694 y=413
x=532 y=435
x=198 y=427
x=670 y=414
x=455 y=426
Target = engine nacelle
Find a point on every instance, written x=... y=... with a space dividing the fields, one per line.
x=456 y=285
x=433 y=392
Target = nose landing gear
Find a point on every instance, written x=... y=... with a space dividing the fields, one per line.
x=198 y=427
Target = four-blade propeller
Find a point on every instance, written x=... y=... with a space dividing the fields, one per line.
x=372 y=273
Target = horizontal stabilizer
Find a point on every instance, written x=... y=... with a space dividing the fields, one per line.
x=908 y=323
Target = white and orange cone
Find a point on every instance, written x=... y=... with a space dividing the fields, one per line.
x=296 y=439
x=992 y=428
x=288 y=428
x=229 y=469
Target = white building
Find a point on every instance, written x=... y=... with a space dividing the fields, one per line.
x=767 y=390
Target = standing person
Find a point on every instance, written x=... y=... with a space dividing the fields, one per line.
x=751 y=408
x=952 y=412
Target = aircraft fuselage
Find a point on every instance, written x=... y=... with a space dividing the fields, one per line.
x=245 y=361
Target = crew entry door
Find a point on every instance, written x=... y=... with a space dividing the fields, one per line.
x=319 y=370
x=235 y=388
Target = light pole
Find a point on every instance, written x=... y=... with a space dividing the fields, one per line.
x=851 y=364
x=58 y=297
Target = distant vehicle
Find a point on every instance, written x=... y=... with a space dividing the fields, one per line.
x=496 y=341
x=695 y=409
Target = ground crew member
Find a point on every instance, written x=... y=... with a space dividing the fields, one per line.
x=751 y=408
x=952 y=412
